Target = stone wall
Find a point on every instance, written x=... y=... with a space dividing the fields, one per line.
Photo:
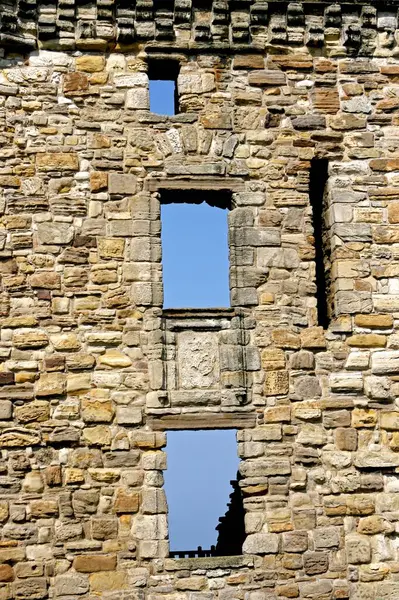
x=93 y=372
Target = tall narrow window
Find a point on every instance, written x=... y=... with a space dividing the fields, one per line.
x=162 y=75
x=317 y=188
x=206 y=515
x=195 y=249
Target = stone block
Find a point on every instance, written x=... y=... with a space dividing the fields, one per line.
x=129 y=415
x=119 y=183
x=276 y=383
x=261 y=543
x=92 y=563
x=57 y=161
x=90 y=63
x=71 y=584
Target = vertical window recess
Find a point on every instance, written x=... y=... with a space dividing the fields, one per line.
x=317 y=187
x=206 y=513
x=162 y=75
x=195 y=253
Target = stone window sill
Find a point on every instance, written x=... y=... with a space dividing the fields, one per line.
x=211 y=562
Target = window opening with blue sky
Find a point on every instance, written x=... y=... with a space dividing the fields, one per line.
x=201 y=487
x=162 y=77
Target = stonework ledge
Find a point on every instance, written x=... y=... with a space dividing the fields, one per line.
x=212 y=562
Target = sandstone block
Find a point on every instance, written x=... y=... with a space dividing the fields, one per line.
x=385 y=164
x=261 y=543
x=57 y=161
x=46 y=280
x=43 y=508
x=278 y=414
x=75 y=82
x=37 y=411
x=92 y=563
x=98 y=181
x=385 y=362
x=30 y=339
x=5 y=410
x=55 y=233
x=114 y=359
x=129 y=415
x=31 y=588
x=19 y=438
x=6 y=573
x=126 y=502
x=276 y=383
x=51 y=384
x=108 y=581
x=97 y=411
x=71 y=584
x=119 y=183
x=374 y=321
x=97 y=436
x=358 y=549
x=367 y=340
x=111 y=248
x=364 y=417
x=90 y=63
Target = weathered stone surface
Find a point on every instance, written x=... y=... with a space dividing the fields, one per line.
x=261 y=543
x=92 y=563
x=270 y=99
x=55 y=161
x=18 y=438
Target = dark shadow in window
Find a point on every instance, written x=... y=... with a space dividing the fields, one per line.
x=197 y=483
x=317 y=187
x=195 y=253
x=162 y=75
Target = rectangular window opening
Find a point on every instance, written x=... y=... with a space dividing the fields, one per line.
x=162 y=75
x=206 y=512
x=317 y=196
x=195 y=252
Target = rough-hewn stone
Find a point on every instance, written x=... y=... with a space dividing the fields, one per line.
x=93 y=371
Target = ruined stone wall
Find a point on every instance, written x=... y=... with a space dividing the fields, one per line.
x=93 y=372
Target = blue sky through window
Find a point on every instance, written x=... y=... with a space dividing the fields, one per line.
x=195 y=256
x=162 y=97
x=197 y=482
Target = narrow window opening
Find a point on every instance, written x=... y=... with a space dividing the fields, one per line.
x=202 y=477
x=162 y=75
x=195 y=253
x=317 y=187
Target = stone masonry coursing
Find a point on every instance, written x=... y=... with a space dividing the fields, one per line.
x=93 y=371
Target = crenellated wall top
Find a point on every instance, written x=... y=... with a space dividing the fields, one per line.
x=355 y=28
